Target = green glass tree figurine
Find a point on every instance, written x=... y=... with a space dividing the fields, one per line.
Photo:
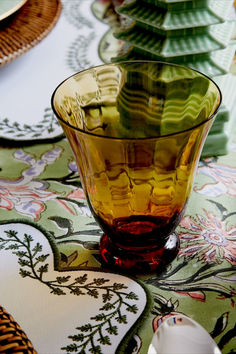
x=195 y=33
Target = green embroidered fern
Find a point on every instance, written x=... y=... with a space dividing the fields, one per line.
x=33 y=264
x=48 y=124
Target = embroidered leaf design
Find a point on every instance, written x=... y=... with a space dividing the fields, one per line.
x=24 y=273
x=86 y=328
x=28 y=239
x=42 y=269
x=108 y=306
x=42 y=258
x=131 y=296
x=121 y=319
x=77 y=54
x=119 y=286
x=75 y=15
x=62 y=280
x=95 y=350
x=99 y=317
x=37 y=248
x=113 y=295
x=93 y=293
x=112 y=330
x=57 y=291
x=82 y=279
x=11 y=233
x=13 y=247
x=107 y=296
x=71 y=348
x=23 y=262
x=48 y=124
x=77 y=337
x=76 y=291
x=105 y=340
x=132 y=309
x=20 y=254
x=100 y=281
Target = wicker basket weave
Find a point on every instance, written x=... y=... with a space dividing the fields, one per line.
x=12 y=338
x=28 y=26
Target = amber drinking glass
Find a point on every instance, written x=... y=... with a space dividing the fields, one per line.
x=137 y=129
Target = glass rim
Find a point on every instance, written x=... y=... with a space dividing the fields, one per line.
x=141 y=138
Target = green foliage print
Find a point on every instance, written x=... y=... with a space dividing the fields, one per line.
x=16 y=130
x=117 y=301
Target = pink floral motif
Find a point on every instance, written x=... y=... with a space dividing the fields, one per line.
x=224 y=180
x=75 y=198
x=207 y=238
x=77 y=194
x=196 y=295
x=26 y=194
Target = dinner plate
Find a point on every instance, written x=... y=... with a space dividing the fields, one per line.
x=27 y=27
x=8 y=7
x=28 y=81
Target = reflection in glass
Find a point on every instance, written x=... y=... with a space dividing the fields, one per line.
x=137 y=130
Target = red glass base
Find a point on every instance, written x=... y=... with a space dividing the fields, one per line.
x=141 y=261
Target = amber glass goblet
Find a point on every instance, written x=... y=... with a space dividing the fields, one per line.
x=137 y=129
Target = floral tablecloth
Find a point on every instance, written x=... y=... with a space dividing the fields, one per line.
x=51 y=278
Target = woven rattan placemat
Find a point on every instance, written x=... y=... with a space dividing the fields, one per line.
x=28 y=26
x=12 y=338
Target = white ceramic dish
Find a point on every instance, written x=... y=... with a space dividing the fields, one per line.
x=182 y=335
x=8 y=7
x=28 y=82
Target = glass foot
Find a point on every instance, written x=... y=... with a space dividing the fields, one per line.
x=140 y=262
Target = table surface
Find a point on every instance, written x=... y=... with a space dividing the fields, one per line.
x=52 y=281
